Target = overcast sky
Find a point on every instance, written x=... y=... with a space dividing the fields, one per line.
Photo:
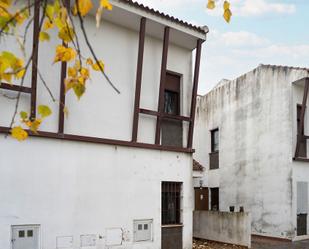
x=261 y=31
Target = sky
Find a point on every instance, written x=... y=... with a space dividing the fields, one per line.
x=260 y=32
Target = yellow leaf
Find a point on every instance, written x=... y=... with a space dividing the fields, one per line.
x=44 y=111
x=20 y=73
x=64 y=54
x=84 y=72
x=7 y=77
x=19 y=133
x=35 y=125
x=98 y=66
x=106 y=4
x=211 y=4
x=49 y=11
x=66 y=112
x=66 y=34
x=89 y=62
x=72 y=72
x=48 y=24
x=226 y=5
x=83 y=6
x=44 y=36
x=227 y=15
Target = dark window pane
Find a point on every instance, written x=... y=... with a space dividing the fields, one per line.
x=145 y=226
x=171 y=104
x=215 y=140
x=140 y=227
x=214 y=199
x=21 y=234
x=30 y=233
x=171 y=203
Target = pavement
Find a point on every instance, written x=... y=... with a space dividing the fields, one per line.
x=258 y=243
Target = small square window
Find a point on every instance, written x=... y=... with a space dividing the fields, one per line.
x=30 y=233
x=21 y=234
x=145 y=226
x=140 y=227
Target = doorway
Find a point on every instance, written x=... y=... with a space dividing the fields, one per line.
x=302 y=208
x=201 y=199
x=25 y=237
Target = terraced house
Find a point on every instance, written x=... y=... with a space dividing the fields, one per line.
x=117 y=172
x=251 y=137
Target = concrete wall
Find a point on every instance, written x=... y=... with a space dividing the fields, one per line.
x=72 y=189
x=254 y=115
x=232 y=228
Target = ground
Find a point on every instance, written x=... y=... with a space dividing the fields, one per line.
x=256 y=244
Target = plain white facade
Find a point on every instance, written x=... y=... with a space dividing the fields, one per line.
x=86 y=195
x=256 y=117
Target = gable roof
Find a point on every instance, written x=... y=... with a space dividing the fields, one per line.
x=202 y=30
x=197 y=166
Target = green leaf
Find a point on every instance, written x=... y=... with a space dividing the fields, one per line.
x=44 y=36
x=23 y=115
x=44 y=111
x=79 y=90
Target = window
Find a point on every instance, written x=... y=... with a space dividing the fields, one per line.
x=303 y=144
x=21 y=234
x=171 y=200
x=171 y=128
x=29 y=233
x=142 y=230
x=214 y=199
x=215 y=140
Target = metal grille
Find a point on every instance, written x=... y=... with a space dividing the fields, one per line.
x=171 y=203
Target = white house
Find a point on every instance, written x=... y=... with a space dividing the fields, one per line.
x=117 y=172
x=246 y=136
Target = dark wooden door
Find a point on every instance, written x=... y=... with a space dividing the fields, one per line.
x=171 y=237
x=301 y=224
x=201 y=199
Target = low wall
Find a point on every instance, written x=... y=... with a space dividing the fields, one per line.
x=227 y=227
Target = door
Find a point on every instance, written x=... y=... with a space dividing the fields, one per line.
x=302 y=208
x=201 y=199
x=25 y=237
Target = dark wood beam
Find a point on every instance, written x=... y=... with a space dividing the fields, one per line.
x=162 y=83
x=194 y=91
x=15 y=88
x=300 y=136
x=139 y=73
x=87 y=139
x=164 y=115
x=62 y=86
x=35 y=52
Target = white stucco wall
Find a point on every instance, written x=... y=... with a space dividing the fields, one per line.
x=71 y=189
x=254 y=115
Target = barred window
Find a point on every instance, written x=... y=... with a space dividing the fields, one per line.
x=171 y=203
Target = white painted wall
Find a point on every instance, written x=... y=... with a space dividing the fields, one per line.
x=71 y=189
x=254 y=114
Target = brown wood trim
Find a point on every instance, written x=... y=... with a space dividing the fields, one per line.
x=139 y=73
x=301 y=159
x=15 y=88
x=162 y=82
x=35 y=57
x=302 y=117
x=173 y=225
x=87 y=139
x=62 y=86
x=194 y=91
x=164 y=115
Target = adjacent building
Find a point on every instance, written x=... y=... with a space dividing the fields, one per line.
x=250 y=136
x=117 y=172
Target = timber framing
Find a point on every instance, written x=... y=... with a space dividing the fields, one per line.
x=301 y=137
x=159 y=114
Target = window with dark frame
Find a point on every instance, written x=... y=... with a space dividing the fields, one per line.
x=215 y=140
x=171 y=203
x=303 y=144
x=172 y=131
x=214 y=199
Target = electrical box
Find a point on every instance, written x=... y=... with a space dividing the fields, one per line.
x=143 y=230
